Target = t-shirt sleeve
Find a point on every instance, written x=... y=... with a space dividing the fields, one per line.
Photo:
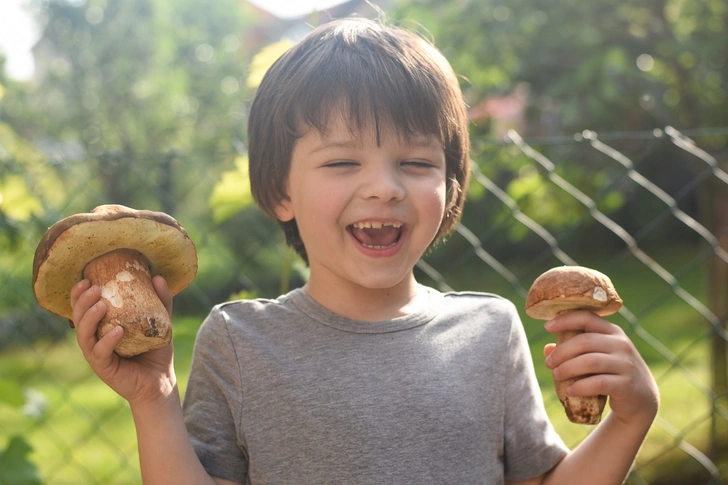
x=532 y=446
x=212 y=402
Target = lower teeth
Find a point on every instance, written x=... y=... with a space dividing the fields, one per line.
x=376 y=247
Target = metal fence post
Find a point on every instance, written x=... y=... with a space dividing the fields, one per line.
x=714 y=205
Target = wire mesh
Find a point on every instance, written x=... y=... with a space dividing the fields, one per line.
x=646 y=208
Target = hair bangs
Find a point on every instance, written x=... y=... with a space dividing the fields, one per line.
x=373 y=90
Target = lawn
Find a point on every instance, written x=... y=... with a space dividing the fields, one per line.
x=81 y=431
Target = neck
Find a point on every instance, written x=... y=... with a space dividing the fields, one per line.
x=368 y=304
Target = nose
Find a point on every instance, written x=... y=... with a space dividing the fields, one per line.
x=383 y=182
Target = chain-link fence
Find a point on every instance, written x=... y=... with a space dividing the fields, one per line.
x=648 y=209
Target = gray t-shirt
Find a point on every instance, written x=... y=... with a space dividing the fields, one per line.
x=286 y=392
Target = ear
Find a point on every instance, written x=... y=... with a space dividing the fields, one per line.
x=284 y=210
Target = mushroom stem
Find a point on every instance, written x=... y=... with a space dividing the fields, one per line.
x=565 y=289
x=131 y=301
x=579 y=409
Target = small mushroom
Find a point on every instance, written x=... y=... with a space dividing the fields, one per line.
x=569 y=288
x=120 y=250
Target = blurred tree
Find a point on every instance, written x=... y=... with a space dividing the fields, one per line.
x=26 y=189
x=629 y=64
x=143 y=103
x=567 y=66
x=132 y=83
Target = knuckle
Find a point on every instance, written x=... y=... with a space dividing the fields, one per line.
x=601 y=383
x=591 y=362
x=563 y=372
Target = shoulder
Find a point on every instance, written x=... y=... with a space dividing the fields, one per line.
x=493 y=314
x=483 y=302
x=485 y=313
x=255 y=307
x=234 y=318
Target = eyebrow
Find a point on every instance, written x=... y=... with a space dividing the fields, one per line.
x=337 y=143
x=424 y=141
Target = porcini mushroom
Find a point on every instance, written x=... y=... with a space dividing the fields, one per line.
x=120 y=250
x=565 y=289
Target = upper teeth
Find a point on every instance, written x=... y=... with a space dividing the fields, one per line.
x=376 y=225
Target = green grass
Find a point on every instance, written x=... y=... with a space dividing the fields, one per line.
x=86 y=435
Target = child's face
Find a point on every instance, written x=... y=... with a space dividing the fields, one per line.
x=366 y=212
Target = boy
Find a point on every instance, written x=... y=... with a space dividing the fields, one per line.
x=358 y=145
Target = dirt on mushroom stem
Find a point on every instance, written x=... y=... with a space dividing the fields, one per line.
x=131 y=301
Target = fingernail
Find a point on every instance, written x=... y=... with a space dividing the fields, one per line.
x=549 y=325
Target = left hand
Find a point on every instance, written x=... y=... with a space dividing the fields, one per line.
x=610 y=363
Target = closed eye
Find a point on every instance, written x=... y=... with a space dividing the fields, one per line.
x=418 y=163
x=341 y=163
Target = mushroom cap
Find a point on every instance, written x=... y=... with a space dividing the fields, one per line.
x=567 y=288
x=71 y=243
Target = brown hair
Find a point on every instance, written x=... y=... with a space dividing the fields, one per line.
x=370 y=73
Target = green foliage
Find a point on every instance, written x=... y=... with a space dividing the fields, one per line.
x=15 y=466
x=616 y=66
x=264 y=59
x=232 y=193
x=617 y=63
x=11 y=393
x=132 y=83
x=22 y=178
x=541 y=201
x=17 y=201
x=140 y=103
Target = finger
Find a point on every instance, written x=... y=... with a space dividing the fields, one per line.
x=600 y=384
x=87 y=326
x=85 y=301
x=580 y=320
x=618 y=345
x=78 y=289
x=587 y=365
x=583 y=343
x=547 y=349
x=165 y=295
x=103 y=352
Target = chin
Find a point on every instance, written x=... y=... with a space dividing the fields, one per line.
x=384 y=282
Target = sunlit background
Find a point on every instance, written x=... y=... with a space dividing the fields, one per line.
x=19 y=28
x=600 y=137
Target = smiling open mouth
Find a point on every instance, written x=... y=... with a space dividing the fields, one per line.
x=376 y=235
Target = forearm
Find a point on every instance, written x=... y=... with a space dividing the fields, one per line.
x=605 y=457
x=165 y=451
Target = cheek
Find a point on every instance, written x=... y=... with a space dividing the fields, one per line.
x=438 y=200
x=318 y=203
x=432 y=207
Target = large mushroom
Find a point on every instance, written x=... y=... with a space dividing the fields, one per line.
x=120 y=250
x=565 y=289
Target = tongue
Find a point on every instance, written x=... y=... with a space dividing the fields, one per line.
x=385 y=236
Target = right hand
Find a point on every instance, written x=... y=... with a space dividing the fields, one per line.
x=144 y=378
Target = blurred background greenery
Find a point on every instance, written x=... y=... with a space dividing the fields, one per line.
x=599 y=138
